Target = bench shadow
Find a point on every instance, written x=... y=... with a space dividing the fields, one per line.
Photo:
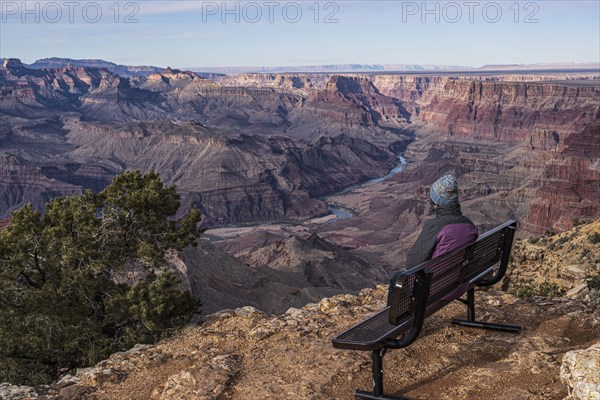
x=529 y=326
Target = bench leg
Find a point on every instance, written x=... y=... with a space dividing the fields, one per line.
x=377 y=393
x=472 y=323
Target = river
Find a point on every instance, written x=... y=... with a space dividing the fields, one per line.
x=218 y=234
x=342 y=213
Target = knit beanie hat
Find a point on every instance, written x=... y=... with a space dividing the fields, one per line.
x=444 y=192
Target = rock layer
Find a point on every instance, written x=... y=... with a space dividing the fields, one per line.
x=240 y=154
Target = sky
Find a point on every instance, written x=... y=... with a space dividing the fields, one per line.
x=195 y=33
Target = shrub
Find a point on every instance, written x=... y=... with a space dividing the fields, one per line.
x=545 y=289
x=61 y=307
x=562 y=240
x=593 y=282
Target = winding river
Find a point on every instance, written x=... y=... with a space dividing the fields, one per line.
x=342 y=213
x=339 y=212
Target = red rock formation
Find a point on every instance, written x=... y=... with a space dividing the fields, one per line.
x=554 y=122
x=510 y=111
x=570 y=185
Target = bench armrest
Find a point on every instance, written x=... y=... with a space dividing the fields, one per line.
x=399 y=288
x=419 y=297
x=506 y=249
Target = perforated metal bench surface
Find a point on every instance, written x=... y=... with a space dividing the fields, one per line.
x=465 y=267
x=371 y=333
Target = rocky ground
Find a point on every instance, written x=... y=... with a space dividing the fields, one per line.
x=245 y=354
x=566 y=264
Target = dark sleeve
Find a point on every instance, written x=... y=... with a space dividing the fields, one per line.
x=423 y=248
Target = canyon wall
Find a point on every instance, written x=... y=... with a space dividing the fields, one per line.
x=539 y=132
x=554 y=121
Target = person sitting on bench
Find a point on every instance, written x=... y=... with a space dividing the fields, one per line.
x=447 y=231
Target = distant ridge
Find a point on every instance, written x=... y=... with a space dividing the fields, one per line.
x=389 y=68
x=118 y=69
x=144 y=70
x=561 y=65
x=331 y=68
x=122 y=70
x=210 y=72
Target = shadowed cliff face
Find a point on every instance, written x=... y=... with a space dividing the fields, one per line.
x=505 y=108
x=290 y=273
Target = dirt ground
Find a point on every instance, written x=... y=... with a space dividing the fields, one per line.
x=244 y=354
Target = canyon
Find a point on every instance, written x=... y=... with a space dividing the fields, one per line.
x=266 y=156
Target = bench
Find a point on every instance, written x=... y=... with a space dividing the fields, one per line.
x=418 y=292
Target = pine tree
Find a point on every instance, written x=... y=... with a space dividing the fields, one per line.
x=61 y=302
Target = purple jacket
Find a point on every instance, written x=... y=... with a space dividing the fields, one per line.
x=449 y=230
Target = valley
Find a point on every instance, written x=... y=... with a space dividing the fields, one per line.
x=276 y=161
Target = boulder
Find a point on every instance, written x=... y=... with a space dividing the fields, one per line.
x=580 y=371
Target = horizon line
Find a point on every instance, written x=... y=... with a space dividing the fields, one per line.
x=374 y=64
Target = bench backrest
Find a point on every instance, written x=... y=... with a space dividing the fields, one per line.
x=481 y=263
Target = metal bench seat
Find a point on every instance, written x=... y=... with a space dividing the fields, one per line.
x=372 y=332
x=415 y=294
